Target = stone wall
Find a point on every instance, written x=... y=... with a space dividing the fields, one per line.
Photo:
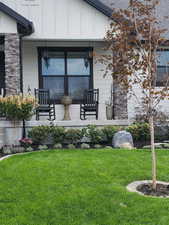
x=12 y=64
x=120 y=101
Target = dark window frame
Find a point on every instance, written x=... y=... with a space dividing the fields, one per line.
x=2 y=70
x=160 y=83
x=65 y=76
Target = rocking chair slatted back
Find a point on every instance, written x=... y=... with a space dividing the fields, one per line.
x=45 y=108
x=89 y=107
x=91 y=97
x=43 y=96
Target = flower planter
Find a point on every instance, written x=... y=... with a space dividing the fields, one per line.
x=66 y=101
x=109 y=112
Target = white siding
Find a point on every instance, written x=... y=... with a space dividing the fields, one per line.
x=133 y=104
x=7 y=25
x=62 y=19
x=30 y=75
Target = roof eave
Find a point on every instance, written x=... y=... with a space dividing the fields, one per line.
x=107 y=11
x=28 y=25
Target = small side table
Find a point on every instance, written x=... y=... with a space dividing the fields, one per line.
x=66 y=101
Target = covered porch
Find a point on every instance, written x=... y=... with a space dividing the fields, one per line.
x=65 y=63
x=66 y=66
x=69 y=68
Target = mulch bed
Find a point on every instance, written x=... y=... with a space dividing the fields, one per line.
x=162 y=190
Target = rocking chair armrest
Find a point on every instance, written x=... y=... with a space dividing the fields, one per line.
x=52 y=104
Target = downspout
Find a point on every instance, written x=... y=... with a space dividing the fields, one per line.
x=21 y=81
x=21 y=63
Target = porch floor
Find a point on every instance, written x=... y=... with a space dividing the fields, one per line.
x=79 y=123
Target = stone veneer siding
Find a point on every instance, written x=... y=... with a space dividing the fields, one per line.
x=120 y=110
x=12 y=64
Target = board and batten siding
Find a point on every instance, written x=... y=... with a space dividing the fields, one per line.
x=62 y=19
x=30 y=75
x=133 y=104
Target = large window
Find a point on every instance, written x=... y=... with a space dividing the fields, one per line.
x=162 y=67
x=65 y=71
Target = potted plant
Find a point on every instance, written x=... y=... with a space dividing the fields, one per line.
x=109 y=105
x=17 y=108
x=109 y=109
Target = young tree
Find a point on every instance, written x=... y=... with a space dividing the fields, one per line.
x=133 y=41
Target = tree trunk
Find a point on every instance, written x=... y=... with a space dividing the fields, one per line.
x=154 y=170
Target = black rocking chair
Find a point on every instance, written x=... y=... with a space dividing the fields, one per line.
x=90 y=104
x=45 y=108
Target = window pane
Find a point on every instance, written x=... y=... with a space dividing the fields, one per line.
x=78 y=63
x=162 y=75
x=77 y=85
x=53 y=63
x=55 y=85
x=163 y=58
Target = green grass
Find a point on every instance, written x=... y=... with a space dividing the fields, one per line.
x=78 y=187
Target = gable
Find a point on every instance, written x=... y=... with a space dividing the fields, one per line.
x=13 y=22
x=64 y=19
x=7 y=24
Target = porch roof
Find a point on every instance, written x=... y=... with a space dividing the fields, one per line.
x=25 y=26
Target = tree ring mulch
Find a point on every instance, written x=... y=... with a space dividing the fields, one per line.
x=145 y=188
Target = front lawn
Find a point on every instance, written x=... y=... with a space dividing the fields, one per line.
x=79 y=187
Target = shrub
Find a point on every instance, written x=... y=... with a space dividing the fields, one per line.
x=39 y=134
x=73 y=136
x=26 y=142
x=139 y=131
x=93 y=133
x=161 y=132
x=17 y=107
x=108 y=133
x=58 y=134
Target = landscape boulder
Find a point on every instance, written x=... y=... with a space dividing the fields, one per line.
x=123 y=139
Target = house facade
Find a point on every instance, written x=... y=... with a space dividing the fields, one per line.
x=50 y=44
